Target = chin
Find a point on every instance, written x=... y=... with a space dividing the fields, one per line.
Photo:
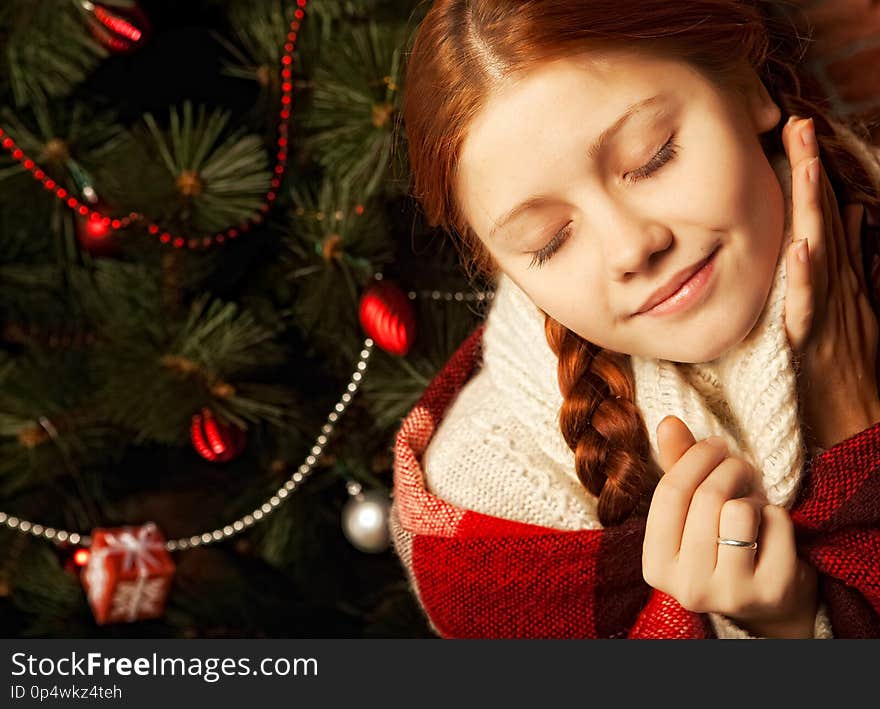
x=705 y=352
x=717 y=339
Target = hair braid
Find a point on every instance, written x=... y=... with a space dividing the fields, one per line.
x=601 y=423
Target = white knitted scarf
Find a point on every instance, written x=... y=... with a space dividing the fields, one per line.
x=748 y=395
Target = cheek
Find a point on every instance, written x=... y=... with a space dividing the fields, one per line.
x=586 y=313
x=719 y=184
x=760 y=213
x=570 y=299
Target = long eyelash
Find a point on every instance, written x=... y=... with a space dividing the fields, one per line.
x=542 y=256
x=663 y=156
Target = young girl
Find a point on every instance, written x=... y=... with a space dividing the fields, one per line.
x=669 y=424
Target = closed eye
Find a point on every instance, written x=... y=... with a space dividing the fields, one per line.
x=539 y=258
x=661 y=158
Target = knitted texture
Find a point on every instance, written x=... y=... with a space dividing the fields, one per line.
x=482 y=576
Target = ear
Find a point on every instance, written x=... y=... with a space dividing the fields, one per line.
x=764 y=112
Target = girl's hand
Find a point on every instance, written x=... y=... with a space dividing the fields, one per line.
x=828 y=317
x=705 y=493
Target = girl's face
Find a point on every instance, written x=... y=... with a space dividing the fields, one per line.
x=609 y=227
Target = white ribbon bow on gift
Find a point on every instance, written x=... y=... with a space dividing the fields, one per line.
x=136 y=548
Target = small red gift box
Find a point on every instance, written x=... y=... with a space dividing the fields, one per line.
x=128 y=575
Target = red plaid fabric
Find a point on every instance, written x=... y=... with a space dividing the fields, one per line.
x=479 y=576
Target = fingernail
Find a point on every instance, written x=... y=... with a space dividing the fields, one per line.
x=808 y=135
x=813 y=170
x=802 y=248
x=791 y=119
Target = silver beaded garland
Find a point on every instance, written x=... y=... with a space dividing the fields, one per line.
x=365 y=515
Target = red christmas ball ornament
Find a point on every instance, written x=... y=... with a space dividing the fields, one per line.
x=215 y=441
x=120 y=30
x=97 y=235
x=388 y=317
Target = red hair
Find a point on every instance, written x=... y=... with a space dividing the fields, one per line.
x=464 y=48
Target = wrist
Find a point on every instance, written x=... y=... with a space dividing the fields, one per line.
x=826 y=431
x=800 y=627
x=800 y=622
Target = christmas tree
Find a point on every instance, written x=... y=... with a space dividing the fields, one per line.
x=217 y=303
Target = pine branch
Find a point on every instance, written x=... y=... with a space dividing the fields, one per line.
x=218 y=184
x=225 y=339
x=155 y=373
x=53 y=599
x=332 y=14
x=25 y=222
x=31 y=294
x=47 y=425
x=356 y=98
x=261 y=31
x=329 y=261
x=69 y=142
x=48 y=48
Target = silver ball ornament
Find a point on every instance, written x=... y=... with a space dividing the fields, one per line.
x=365 y=521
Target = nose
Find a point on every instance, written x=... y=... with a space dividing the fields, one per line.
x=631 y=241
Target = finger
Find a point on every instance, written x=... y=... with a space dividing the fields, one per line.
x=740 y=520
x=670 y=501
x=808 y=217
x=798 y=294
x=673 y=440
x=776 y=556
x=799 y=139
x=808 y=222
x=787 y=127
x=731 y=479
x=787 y=131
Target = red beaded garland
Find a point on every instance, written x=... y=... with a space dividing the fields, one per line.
x=220 y=237
x=96 y=233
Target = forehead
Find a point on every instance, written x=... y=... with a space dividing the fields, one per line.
x=529 y=125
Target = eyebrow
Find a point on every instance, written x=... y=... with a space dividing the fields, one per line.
x=592 y=151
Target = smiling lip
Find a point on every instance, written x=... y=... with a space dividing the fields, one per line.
x=681 y=290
